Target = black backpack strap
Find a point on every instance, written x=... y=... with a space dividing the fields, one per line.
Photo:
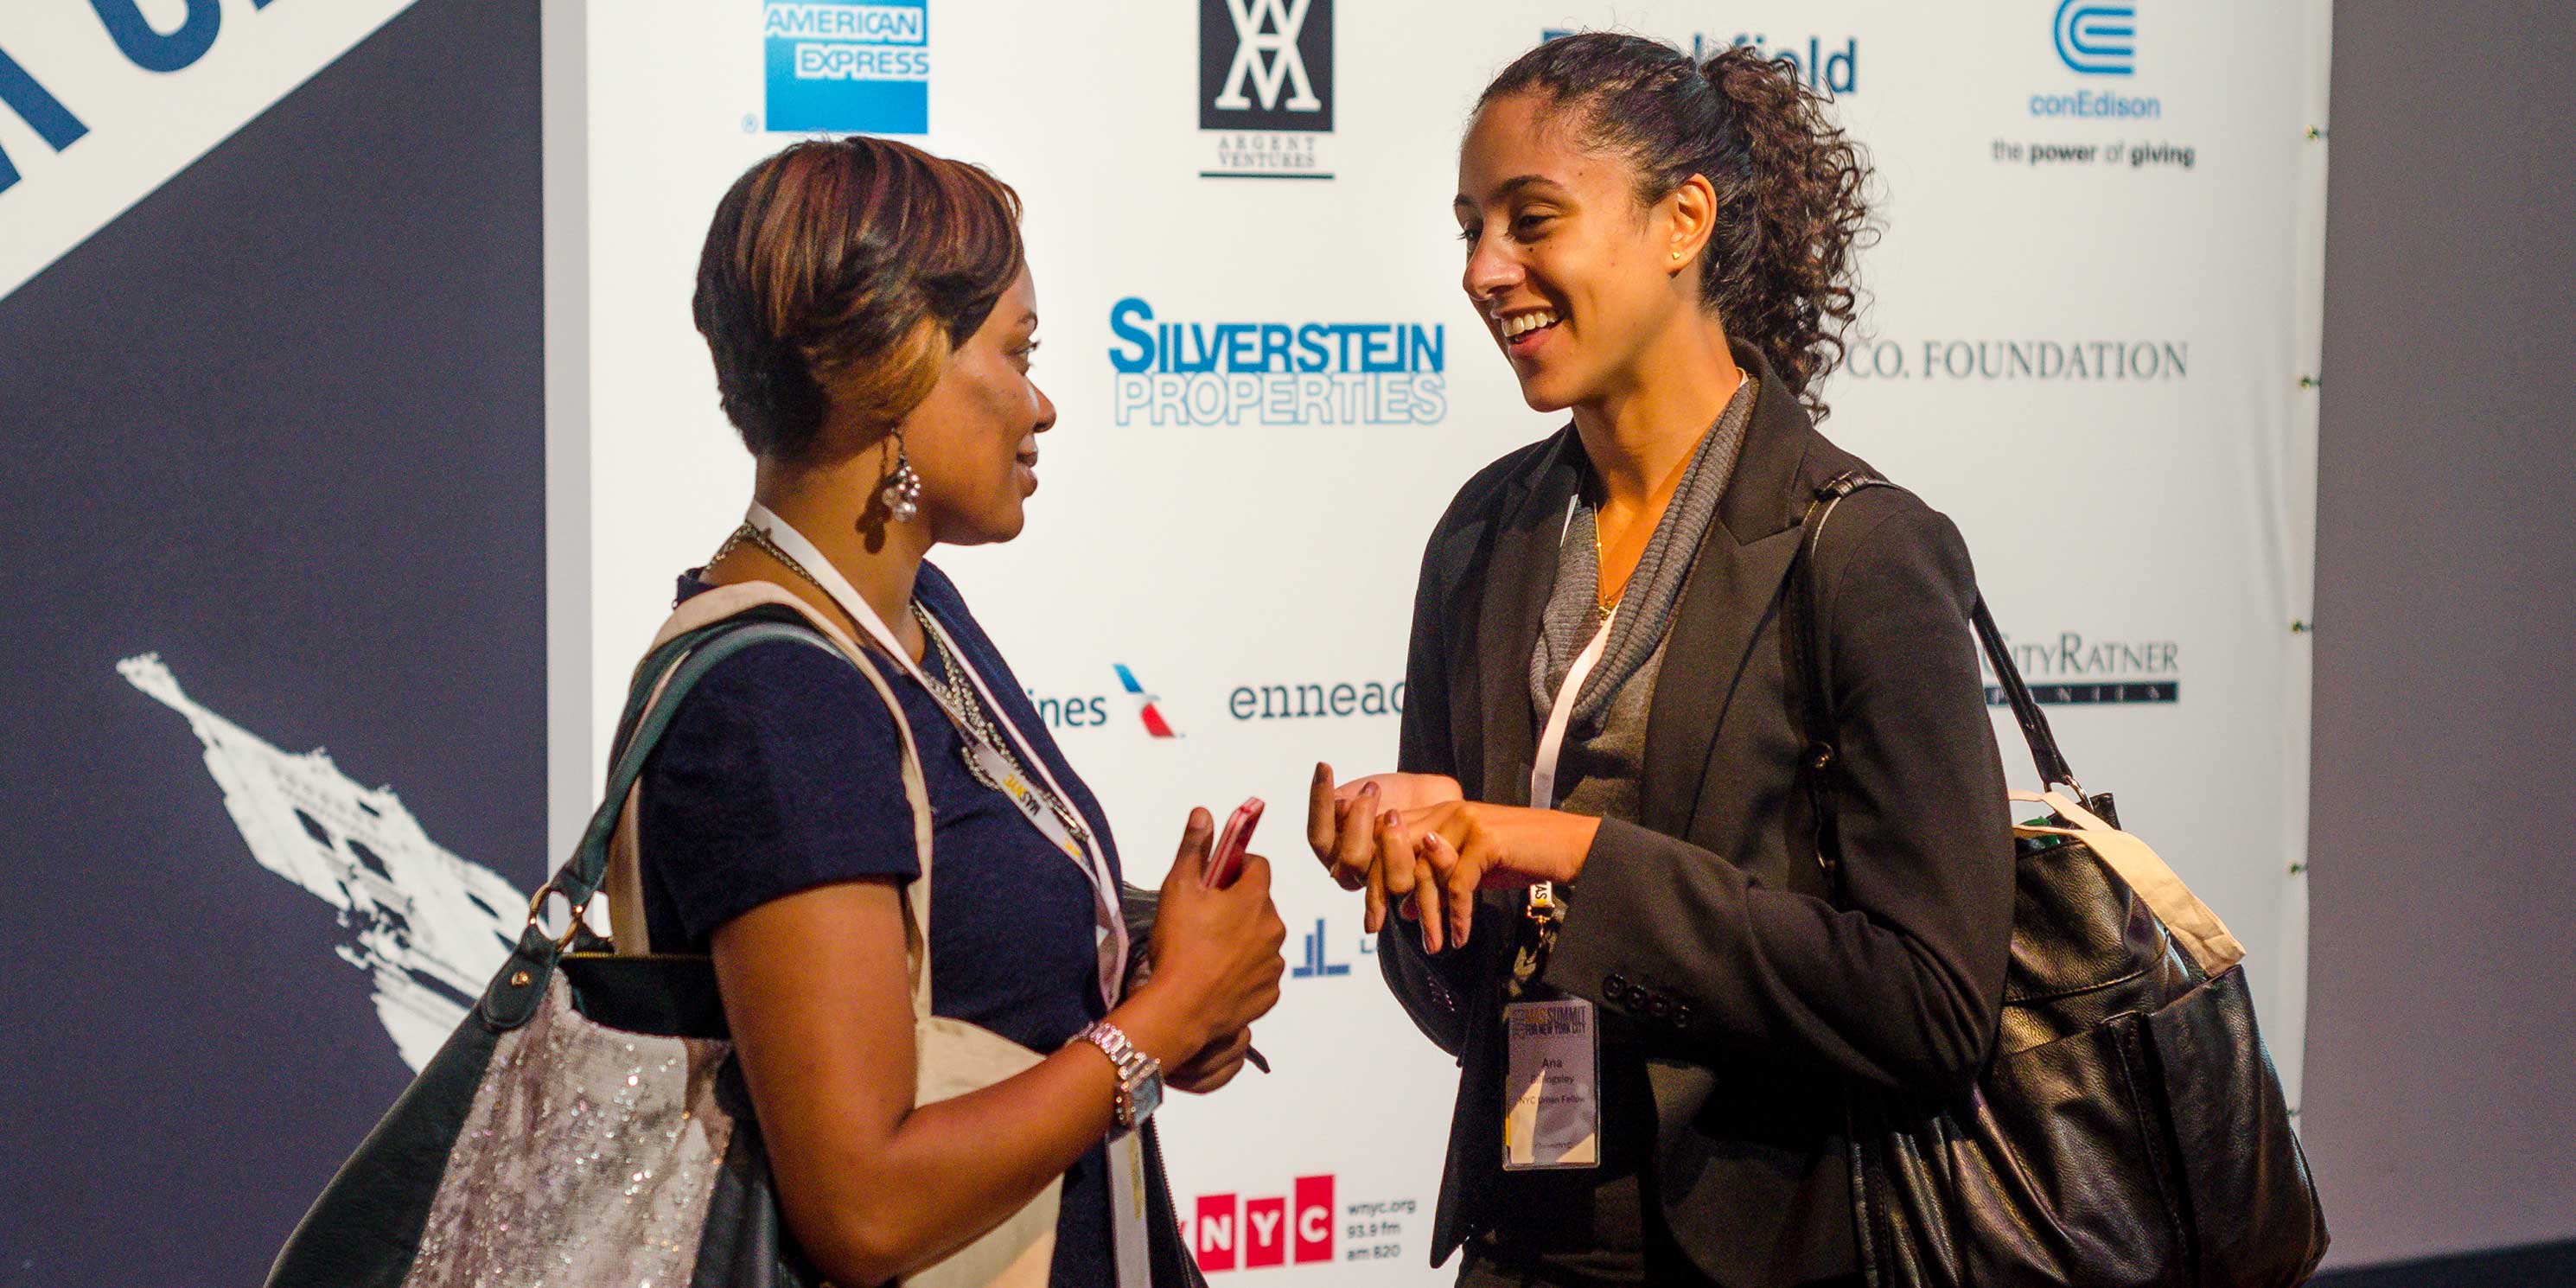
x=1814 y=660
x=1814 y=663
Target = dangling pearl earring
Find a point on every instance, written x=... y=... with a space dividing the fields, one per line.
x=902 y=490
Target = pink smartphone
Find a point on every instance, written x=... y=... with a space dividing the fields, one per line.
x=1231 y=844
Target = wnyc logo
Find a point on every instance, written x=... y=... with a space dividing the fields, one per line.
x=847 y=66
x=1266 y=87
x=1275 y=373
x=1233 y=1232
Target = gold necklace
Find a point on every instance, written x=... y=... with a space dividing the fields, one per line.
x=961 y=701
x=1602 y=606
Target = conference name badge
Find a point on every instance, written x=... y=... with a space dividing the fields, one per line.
x=1552 y=1086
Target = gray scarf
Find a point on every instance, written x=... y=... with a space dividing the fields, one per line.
x=1646 y=606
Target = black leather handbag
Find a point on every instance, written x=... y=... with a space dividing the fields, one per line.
x=586 y=1122
x=2129 y=1129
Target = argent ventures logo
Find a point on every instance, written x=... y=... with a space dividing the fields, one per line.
x=1266 y=86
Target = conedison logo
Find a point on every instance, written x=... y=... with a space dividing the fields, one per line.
x=2097 y=39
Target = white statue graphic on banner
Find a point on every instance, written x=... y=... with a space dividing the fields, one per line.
x=429 y=926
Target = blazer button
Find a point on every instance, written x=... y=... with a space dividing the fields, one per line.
x=1681 y=1014
x=1657 y=1007
x=1615 y=989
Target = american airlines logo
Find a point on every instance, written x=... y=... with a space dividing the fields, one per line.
x=1146 y=711
x=1266 y=65
x=1232 y=1232
x=102 y=103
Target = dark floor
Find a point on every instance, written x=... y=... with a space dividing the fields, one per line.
x=2543 y=1265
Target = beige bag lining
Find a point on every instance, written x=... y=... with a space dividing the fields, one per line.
x=2197 y=929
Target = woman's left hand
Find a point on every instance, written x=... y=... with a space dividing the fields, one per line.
x=1466 y=846
x=1212 y=1067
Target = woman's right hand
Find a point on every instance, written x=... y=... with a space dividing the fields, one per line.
x=1355 y=830
x=1217 y=963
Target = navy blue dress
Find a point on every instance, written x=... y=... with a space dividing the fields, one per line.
x=779 y=773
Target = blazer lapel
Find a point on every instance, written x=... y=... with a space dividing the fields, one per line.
x=1733 y=585
x=1517 y=582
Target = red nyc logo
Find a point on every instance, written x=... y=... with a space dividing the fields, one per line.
x=1254 y=1233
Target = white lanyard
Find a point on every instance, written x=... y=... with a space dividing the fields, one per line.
x=1110 y=936
x=1551 y=742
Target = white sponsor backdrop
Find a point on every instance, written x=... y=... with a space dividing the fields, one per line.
x=2090 y=328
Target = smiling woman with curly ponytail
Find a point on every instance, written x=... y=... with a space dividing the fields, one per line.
x=1601 y=803
x=1778 y=269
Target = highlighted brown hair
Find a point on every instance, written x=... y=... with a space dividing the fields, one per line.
x=842 y=274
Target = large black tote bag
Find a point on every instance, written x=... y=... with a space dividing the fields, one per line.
x=2129 y=1129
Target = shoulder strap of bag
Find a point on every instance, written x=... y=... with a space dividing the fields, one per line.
x=705 y=631
x=1811 y=650
x=733 y=602
x=2194 y=926
x=521 y=984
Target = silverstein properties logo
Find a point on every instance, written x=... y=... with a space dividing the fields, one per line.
x=1266 y=88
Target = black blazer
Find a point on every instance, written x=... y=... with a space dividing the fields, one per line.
x=1707 y=920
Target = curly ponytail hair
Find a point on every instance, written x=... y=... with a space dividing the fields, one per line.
x=1779 y=267
x=844 y=272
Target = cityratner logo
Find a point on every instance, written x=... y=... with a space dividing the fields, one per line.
x=1276 y=373
x=1231 y=1232
x=2097 y=39
x=1832 y=68
x=1146 y=711
x=2071 y=670
x=847 y=66
x=1266 y=87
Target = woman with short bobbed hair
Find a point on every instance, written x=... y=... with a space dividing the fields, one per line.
x=872 y=317
x=1605 y=812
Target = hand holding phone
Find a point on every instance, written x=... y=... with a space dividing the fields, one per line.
x=1231 y=845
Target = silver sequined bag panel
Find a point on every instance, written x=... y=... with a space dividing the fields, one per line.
x=588 y=1158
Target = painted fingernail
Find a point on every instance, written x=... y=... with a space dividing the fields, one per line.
x=1390 y=819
